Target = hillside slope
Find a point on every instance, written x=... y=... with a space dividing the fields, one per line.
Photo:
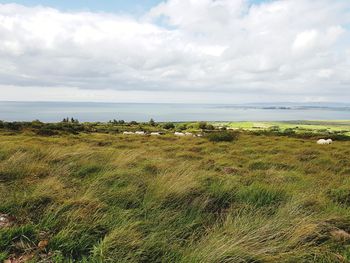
x=115 y=198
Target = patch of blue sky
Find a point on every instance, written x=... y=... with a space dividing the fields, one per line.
x=115 y=6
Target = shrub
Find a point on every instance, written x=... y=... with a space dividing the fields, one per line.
x=46 y=132
x=37 y=124
x=339 y=137
x=202 y=125
x=181 y=127
x=210 y=127
x=152 y=122
x=169 y=125
x=222 y=136
x=13 y=126
x=289 y=132
x=275 y=128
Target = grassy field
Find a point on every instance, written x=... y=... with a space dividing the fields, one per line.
x=298 y=126
x=114 y=198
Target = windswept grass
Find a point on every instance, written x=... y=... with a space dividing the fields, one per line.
x=113 y=198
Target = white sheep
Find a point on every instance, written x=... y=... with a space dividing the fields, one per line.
x=155 y=133
x=140 y=133
x=323 y=141
x=188 y=133
x=127 y=133
x=179 y=134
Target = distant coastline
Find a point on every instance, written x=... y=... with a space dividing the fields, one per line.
x=100 y=111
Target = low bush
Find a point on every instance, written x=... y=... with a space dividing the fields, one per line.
x=339 y=137
x=222 y=136
x=168 y=125
x=46 y=132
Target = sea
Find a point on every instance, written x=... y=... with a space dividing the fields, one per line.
x=162 y=112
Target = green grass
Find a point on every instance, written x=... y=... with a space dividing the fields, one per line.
x=298 y=126
x=112 y=198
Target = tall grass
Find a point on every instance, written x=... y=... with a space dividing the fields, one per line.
x=113 y=198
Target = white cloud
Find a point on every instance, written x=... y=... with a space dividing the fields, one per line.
x=191 y=49
x=314 y=40
x=305 y=40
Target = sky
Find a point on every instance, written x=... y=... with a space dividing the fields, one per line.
x=191 y=51
x=116 y=6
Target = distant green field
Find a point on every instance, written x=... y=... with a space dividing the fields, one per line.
x=299 y=126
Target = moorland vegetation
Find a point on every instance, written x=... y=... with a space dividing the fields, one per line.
x=84 y=192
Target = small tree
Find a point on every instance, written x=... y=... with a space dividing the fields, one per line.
x=152 y=122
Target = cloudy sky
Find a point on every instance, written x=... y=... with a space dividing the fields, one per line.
x=214 y=51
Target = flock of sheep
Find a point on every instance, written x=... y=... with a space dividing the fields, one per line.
x=161 y=133
x=320 y=141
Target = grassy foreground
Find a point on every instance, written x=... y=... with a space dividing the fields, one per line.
x=113 y=198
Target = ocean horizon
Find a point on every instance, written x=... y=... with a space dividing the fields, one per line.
x=176 y=112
